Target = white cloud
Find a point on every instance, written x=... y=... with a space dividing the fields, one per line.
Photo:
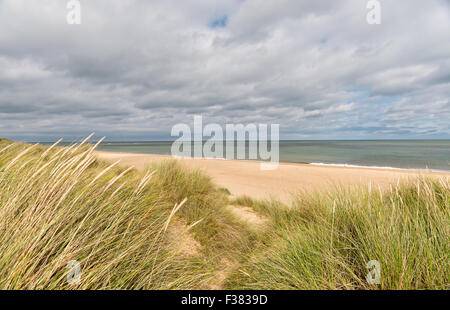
x=134 y=68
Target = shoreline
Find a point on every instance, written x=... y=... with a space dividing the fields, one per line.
x=243 y=177
x=315 y=164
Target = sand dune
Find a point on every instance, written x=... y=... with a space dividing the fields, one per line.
x=246 y=178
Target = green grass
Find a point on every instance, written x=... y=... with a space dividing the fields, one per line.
x=325 y=240
x=62 y=204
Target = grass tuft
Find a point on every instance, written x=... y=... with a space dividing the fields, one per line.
x=62 y=204
x=325 y=240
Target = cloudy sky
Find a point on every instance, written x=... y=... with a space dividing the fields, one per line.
x=135 y=68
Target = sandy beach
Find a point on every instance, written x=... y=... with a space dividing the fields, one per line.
x=246 y=178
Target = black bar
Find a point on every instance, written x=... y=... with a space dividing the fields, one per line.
x=225 y=299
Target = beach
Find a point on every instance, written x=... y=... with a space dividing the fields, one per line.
x=245 y=177
x=69 y=205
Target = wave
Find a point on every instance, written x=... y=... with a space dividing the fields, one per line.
x=375 y=167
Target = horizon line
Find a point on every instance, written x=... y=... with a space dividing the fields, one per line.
x=268 y=140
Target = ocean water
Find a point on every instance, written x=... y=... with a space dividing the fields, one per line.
x=404 y=154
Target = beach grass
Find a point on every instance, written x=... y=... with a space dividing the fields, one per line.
x=59 y=205
x=170 y=228
x=326 y=240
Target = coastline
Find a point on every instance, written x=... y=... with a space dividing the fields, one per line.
x=243 y=177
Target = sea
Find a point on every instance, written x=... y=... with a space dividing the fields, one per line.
x=388 y=154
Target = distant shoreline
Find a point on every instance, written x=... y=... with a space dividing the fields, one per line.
x=243 y=177
x=409 y=155
x=300 y=163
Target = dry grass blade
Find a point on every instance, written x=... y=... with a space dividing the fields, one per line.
x=172 y=213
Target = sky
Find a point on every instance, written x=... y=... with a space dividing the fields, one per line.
x=135 y=68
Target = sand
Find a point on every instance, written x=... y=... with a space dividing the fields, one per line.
x=246 y=178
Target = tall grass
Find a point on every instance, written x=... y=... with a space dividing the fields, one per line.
x=61 y=204
x=325 y=240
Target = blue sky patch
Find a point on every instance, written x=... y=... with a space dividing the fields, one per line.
x=219 y=22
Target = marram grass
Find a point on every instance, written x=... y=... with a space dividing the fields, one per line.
x=325 y=240
x=60 y=204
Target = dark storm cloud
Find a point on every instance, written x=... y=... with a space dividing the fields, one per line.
x=135 y=68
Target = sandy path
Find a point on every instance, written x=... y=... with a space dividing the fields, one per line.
x=246 y=178
x=249 y=216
